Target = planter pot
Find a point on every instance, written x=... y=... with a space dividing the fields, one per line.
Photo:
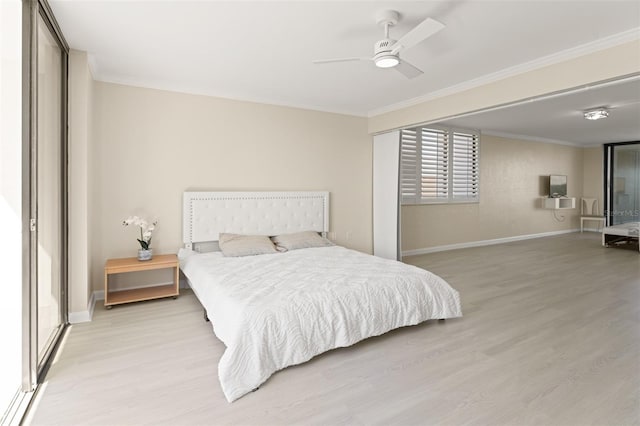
x=145 y=254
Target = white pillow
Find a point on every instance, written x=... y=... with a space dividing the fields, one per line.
x=235 y=245
x=300 y=240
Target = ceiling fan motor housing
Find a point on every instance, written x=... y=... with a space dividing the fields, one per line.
x=383 y=47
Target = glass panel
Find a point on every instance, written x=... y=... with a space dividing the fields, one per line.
x=626 y=184
x=49 y=194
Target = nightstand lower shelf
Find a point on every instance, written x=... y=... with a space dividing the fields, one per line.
x=139 y=294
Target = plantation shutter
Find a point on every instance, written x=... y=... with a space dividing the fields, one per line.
x=434 y=172
x=409 y=167
x=438 y=166
x=465 y=172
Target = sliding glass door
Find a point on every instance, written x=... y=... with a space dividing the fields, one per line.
x=45 y=99
x=623 y=182
x=33 y=225
x=33 y=212
x=49 y=194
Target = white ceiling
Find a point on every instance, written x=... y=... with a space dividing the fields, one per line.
x=262 y=51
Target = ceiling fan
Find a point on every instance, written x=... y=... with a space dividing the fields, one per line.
x=386 y=53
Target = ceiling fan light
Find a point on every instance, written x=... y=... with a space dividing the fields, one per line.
x=596 y=114
x=387 y=61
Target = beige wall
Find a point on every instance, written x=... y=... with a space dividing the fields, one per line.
x=152 y=145
x=148 y=146
x=511 y=183
x=80 y=121
x=594 y=175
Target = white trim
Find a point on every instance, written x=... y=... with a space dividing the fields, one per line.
x=555 y=58
x=484 y=242
x=83 y=316
x=98 y=295
x=178 y=88
x=78 y=317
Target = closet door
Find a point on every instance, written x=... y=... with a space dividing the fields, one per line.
x=386 y=205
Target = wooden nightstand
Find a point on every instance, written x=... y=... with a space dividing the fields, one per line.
x=132 y=264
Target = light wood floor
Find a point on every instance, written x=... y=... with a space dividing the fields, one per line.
x=550 y=336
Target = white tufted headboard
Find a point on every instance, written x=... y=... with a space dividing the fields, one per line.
x=206 y=214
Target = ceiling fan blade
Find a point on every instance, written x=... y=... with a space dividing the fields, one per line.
x=422 y=31
x=327 y=61
x=408 y=70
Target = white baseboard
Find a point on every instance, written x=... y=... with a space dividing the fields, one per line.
x=78 y=317
x=484 y=242
x=83 y=316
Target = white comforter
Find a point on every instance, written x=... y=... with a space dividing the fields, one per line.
x=276 y=310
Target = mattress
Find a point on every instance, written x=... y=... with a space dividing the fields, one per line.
x=277 y=310
x=629 y=229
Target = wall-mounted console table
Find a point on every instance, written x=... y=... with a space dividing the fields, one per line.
x=559 y=203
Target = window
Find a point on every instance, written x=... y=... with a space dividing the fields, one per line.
x=439 y=166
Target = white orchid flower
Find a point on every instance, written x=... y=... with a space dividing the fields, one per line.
x=146 y=229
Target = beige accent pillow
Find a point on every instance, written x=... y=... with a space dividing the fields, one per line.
x=300 y=240
x=236 y=245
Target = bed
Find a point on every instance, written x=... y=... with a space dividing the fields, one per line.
x=280 y=309
x=624 y=234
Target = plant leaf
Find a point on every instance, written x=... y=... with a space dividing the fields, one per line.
x=143 y=244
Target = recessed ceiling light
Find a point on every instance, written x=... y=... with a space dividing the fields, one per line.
x=596 y=114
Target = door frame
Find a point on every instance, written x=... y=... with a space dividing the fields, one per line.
x=33 y=372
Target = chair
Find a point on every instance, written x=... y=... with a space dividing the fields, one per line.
x=590 y=212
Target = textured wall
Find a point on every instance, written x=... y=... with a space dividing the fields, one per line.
x=511 y=183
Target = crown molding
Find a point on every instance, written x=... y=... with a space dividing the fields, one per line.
x=176 y=88
x=555 y=58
